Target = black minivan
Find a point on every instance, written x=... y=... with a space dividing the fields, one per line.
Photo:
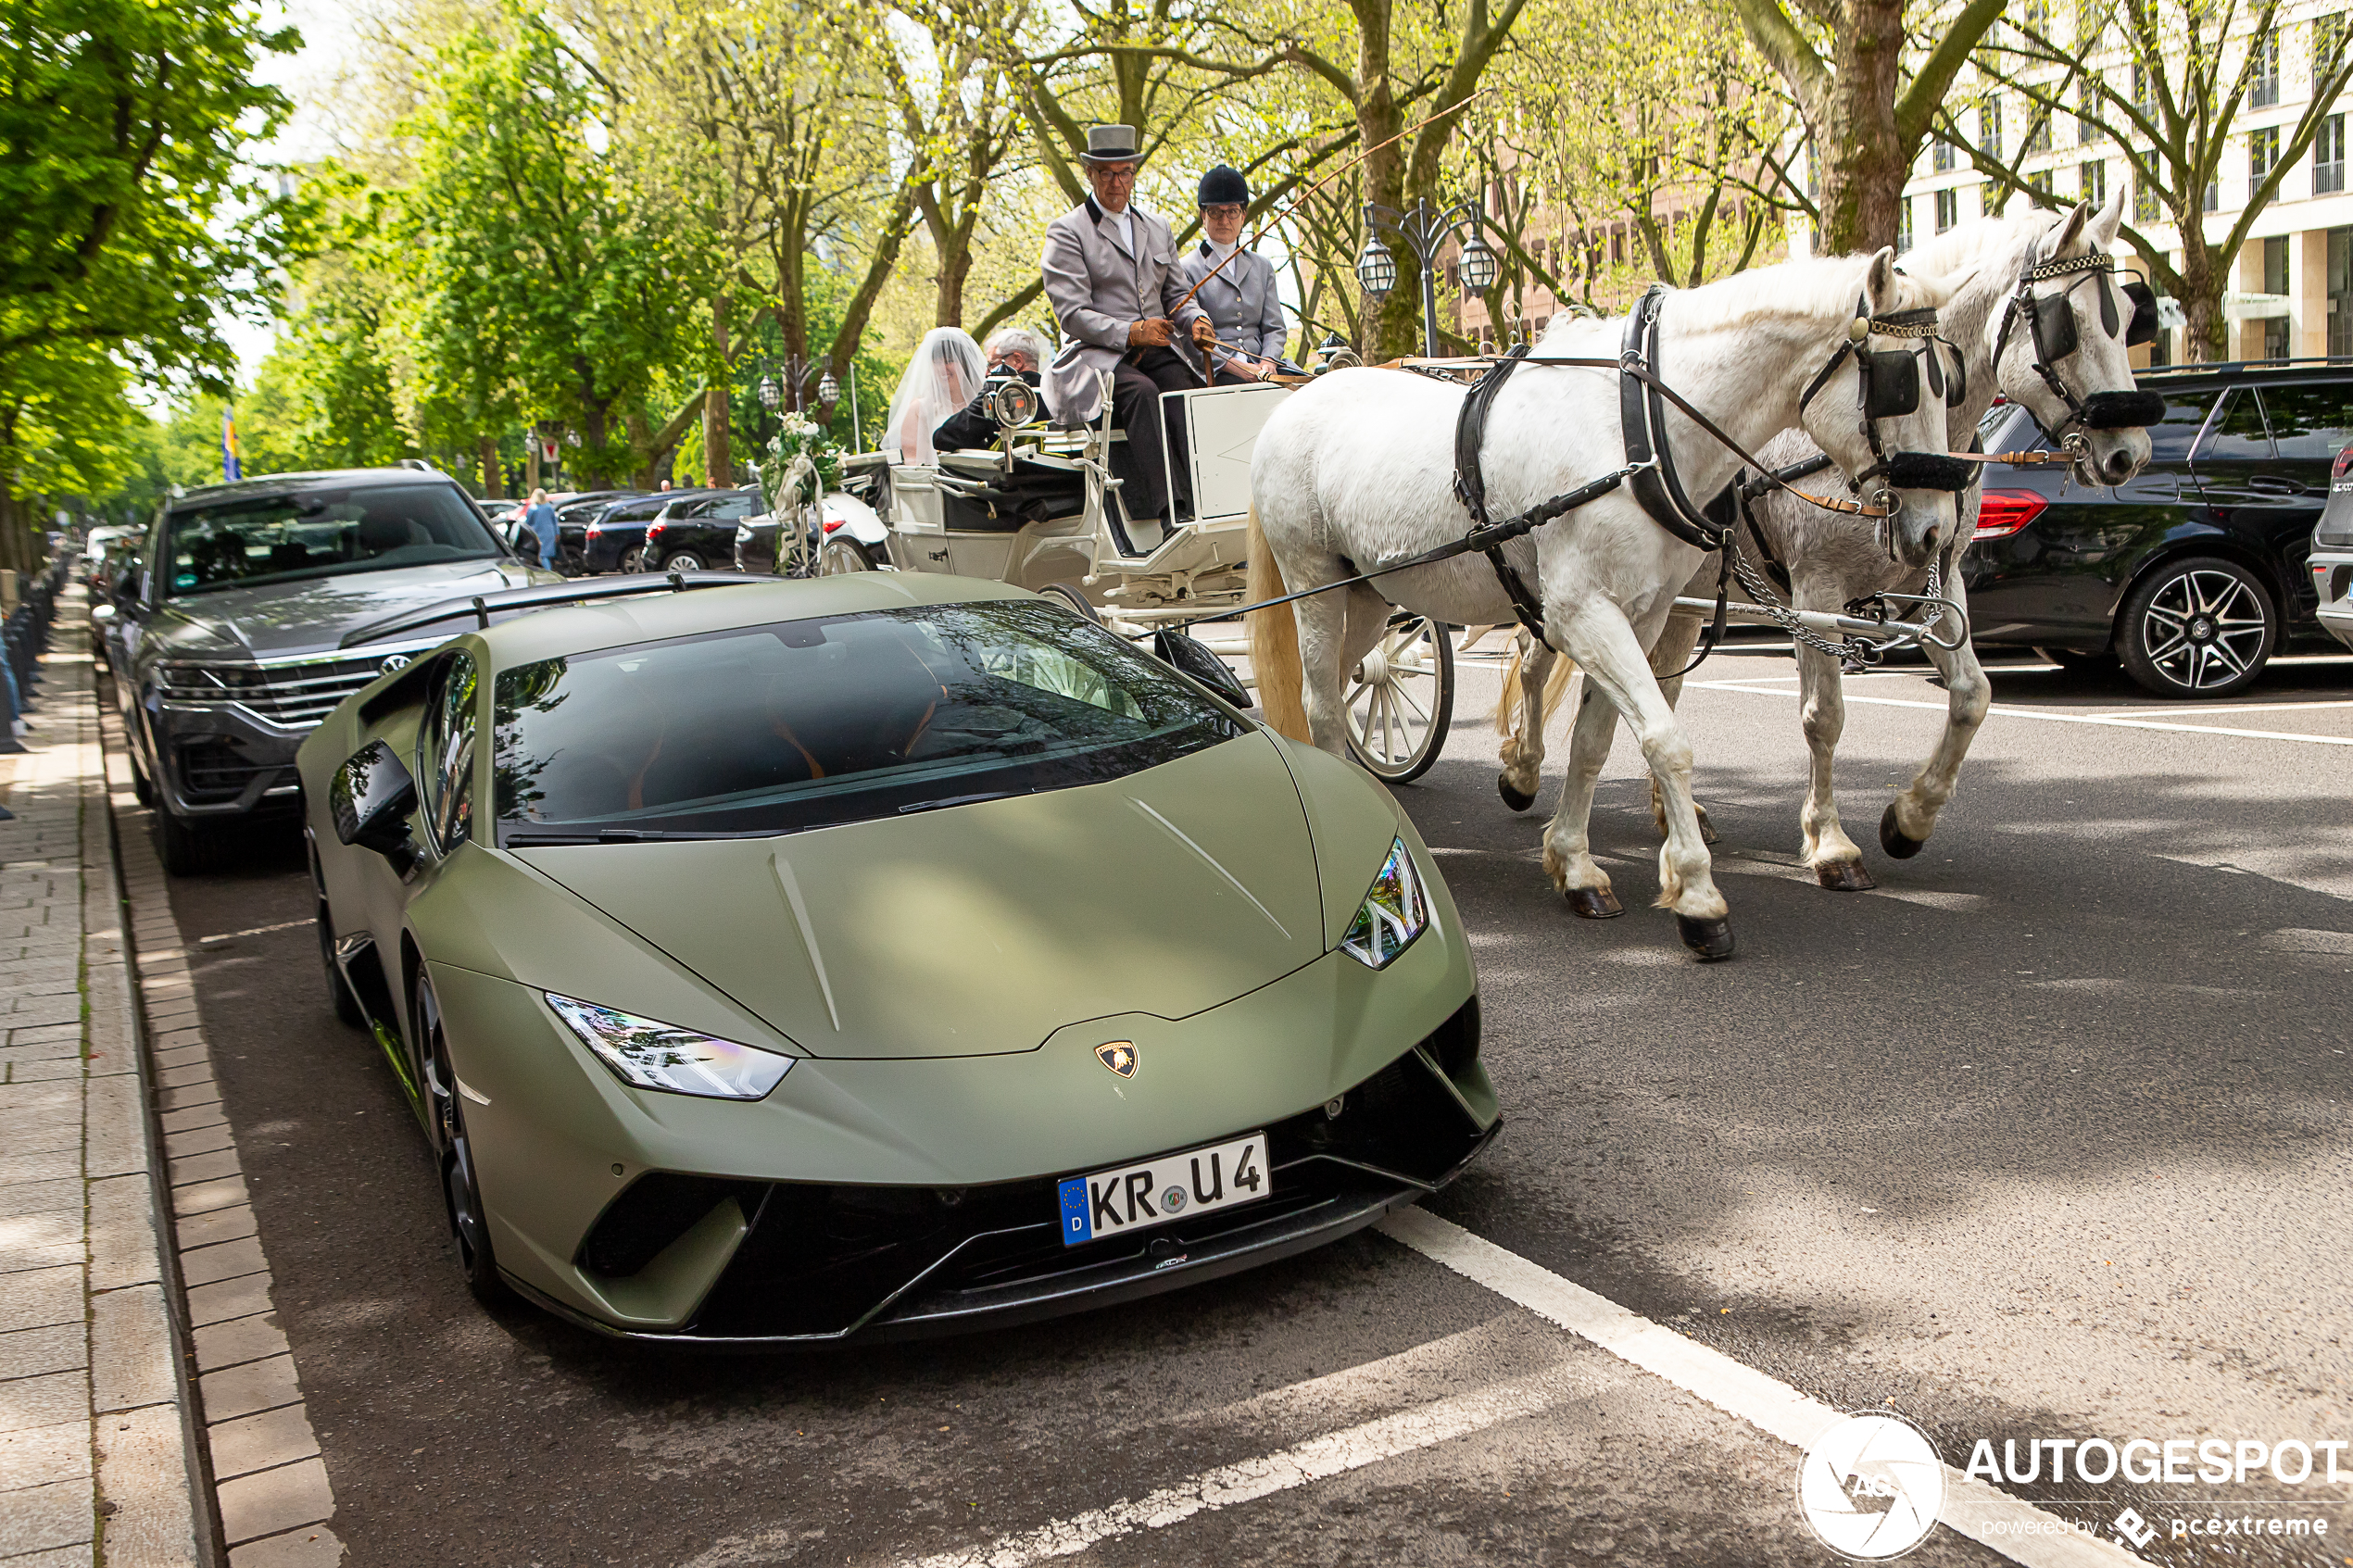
x=2192 y=574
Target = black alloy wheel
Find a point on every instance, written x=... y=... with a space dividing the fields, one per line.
x=142 y=786
x=461 y=1182
x=685 y=560
x=2198 y=628
x=339 y=992
x=188 y=849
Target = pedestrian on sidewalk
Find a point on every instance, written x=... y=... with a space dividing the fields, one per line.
x=541 y=519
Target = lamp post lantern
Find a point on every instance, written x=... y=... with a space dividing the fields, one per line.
x=828 y=389
x=1424 y=230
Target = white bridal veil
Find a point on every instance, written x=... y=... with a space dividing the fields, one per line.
x=945 y=374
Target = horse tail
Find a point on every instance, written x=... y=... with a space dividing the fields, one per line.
x=1274 y=642
x=1507 y=706
x=1556 y=684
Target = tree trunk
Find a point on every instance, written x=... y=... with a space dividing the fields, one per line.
x=955 y=265
x=718 y=462
x=1391 y=327
x=2206 y=337
x=493 y=481
x=1863 y=163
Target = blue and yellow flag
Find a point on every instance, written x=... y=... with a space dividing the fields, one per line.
x=230 y=467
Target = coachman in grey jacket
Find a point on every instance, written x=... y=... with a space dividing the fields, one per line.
x=1112 y=279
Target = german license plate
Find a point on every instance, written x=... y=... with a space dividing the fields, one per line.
x=1136 y=1197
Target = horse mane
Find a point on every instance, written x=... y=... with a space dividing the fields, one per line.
x=1819 y=287
x=1965 y=246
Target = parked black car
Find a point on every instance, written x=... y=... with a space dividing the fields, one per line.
x=616 y=536
x=698 y=533
x=574 y=512
x=2193 y=574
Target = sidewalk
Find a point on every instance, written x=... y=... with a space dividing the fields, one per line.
x=98 y=1460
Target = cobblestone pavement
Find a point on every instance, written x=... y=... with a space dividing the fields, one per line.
x=96 y=1463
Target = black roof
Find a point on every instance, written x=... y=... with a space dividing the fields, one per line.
x=295 y=484
x=2242 y=367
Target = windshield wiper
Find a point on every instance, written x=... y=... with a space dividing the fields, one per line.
x=961 y=800
x=528 y=840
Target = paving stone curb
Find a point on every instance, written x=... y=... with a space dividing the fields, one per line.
x=263 y=1475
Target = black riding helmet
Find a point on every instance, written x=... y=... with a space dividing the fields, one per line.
x=1224 y=184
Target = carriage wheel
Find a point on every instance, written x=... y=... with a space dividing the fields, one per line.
x=1401 y=698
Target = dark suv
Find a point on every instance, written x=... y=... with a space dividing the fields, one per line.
x=615 y=540
x=2193 y=575
x=698 y=533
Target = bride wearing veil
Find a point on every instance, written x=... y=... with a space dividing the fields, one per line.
x=944 y=375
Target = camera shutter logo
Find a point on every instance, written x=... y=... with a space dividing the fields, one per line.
x=1872 y=1486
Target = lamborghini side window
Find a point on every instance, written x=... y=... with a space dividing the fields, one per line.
x=444 y=754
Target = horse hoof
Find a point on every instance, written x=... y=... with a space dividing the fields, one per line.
x=1895 y=840
x=1844 y=876
x=1517 y=799
x=1709 y=940
x=1593 y=903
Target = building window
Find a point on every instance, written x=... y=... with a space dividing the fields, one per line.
x=1943 y=157
x=2040 y=181
x=2275 y=337
x=1989 y=129
x=2262 y=152
x=1903 y=224
x=2328 y=156
x=1949 y=209
x=2144 y=94
x=2275 y=264
x=2264 y=90
x=2088 y=129
x=2328 y=37
x=2210 y=199
x=2146 y=206
x=2092 y=181
x=2038 y=134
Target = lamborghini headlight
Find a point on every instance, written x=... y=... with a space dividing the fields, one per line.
x=663 y=1056
x=1394 y=912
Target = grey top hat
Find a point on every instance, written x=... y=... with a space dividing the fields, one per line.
x=1113 y=143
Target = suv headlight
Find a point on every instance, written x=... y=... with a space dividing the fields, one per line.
x=1395 y=911
x=663 y=1056
x=186 y=681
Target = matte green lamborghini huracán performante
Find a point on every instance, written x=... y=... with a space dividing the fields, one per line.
x=777 y=963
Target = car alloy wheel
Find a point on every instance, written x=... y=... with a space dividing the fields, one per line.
x=2203 y=627
x=461 y=1182
x=187 y=849
x=842 y=556
x=683 y=562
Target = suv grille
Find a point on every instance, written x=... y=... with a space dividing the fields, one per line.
x=290 y=693
x=216 y=768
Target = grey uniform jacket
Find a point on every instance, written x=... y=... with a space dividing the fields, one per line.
x=1243 y=300
x=1096 y=289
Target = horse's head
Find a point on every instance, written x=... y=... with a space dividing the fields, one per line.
x=2058 y=346
x=1875 y=408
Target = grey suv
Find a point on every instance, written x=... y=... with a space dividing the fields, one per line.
x=226 y=634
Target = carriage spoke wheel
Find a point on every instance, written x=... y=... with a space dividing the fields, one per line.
x=460 y=1181
x=842 y=555
x=1400 y=699
x=2203 y=628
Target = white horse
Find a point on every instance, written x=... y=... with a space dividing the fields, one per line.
x=1832 y=560
x=1359 y=469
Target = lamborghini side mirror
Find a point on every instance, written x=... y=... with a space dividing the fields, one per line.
x=1189 y=656
x=371 y=798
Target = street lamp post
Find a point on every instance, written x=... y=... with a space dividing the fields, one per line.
x=1424 y=230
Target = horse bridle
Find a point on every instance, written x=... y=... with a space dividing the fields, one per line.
x=1888 y=387
x=2050 y=328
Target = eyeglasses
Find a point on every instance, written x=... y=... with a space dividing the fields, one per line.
x=1124 y=174
x=1223 y=210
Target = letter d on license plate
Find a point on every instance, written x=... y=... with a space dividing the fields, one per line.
x=1136 y=1197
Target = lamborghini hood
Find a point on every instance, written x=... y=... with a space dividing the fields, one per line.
x=975 y=930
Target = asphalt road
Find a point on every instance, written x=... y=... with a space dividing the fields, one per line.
x=2046 y=1138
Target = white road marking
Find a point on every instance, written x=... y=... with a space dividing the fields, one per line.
x=1424 y=1427
x=1985 y=1514
x=1998 y=710
x=251 y=931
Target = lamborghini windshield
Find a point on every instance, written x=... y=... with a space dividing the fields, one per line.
x=812 y=724
x=319 y=532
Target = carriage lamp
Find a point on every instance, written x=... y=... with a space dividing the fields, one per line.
x=1377 y=268
x=1479 y=264
x=770 y=394
x=1013 y=403
x=828 y=389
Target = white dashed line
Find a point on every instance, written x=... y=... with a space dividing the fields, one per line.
x=1998 y=712
x=1992 y=1518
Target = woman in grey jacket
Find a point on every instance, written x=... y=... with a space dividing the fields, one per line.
x=1241 y=298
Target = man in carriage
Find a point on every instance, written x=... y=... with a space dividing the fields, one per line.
x=1112 y=278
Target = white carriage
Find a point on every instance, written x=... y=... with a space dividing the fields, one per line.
x=1042 y=511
